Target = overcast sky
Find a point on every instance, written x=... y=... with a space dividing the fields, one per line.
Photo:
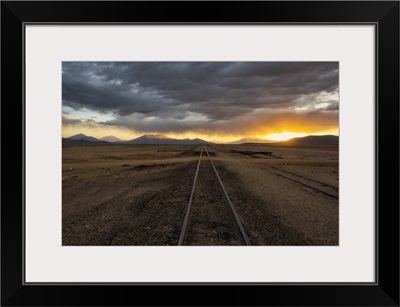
x=212 y=100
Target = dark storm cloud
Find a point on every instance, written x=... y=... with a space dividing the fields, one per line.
x=332 y=106
x=216 y=91
x=70 y=121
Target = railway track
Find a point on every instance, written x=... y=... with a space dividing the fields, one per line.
x=314 y=184
x=210 y=217
x=319 y=186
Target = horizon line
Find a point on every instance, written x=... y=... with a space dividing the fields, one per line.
x=191 y=139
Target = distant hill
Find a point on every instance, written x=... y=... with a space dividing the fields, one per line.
x=250 y=140
x=111 y=138
x=157 y=139
x=81 y=136
x=162 y=139
x=197 y=141
x=82 y=139
x=150 y=139
x=313 y=140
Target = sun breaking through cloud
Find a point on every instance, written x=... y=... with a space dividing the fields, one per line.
x=216 y=101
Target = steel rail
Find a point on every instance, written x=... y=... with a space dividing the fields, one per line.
x=307 y=185
x=186 y=219
x=227 y=199
x=311 y=179
x=323 y=183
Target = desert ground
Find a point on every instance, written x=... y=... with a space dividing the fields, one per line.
x=138 y=194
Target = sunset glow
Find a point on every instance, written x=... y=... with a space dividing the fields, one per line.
x=284 y=136
x=218 y=102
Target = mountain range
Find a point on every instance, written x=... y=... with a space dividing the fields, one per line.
x=251 y=140
x=82 y=139
x=160 y=139
x=314 y=140
x=144 y=139
x=111 y=139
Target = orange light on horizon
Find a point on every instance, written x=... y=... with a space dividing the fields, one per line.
x=284 y=136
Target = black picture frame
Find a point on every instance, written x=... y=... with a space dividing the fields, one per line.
x=383 y=14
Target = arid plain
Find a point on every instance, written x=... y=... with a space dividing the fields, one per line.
x=138 y=194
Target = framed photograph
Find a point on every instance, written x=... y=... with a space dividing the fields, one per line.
x=245 y=148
